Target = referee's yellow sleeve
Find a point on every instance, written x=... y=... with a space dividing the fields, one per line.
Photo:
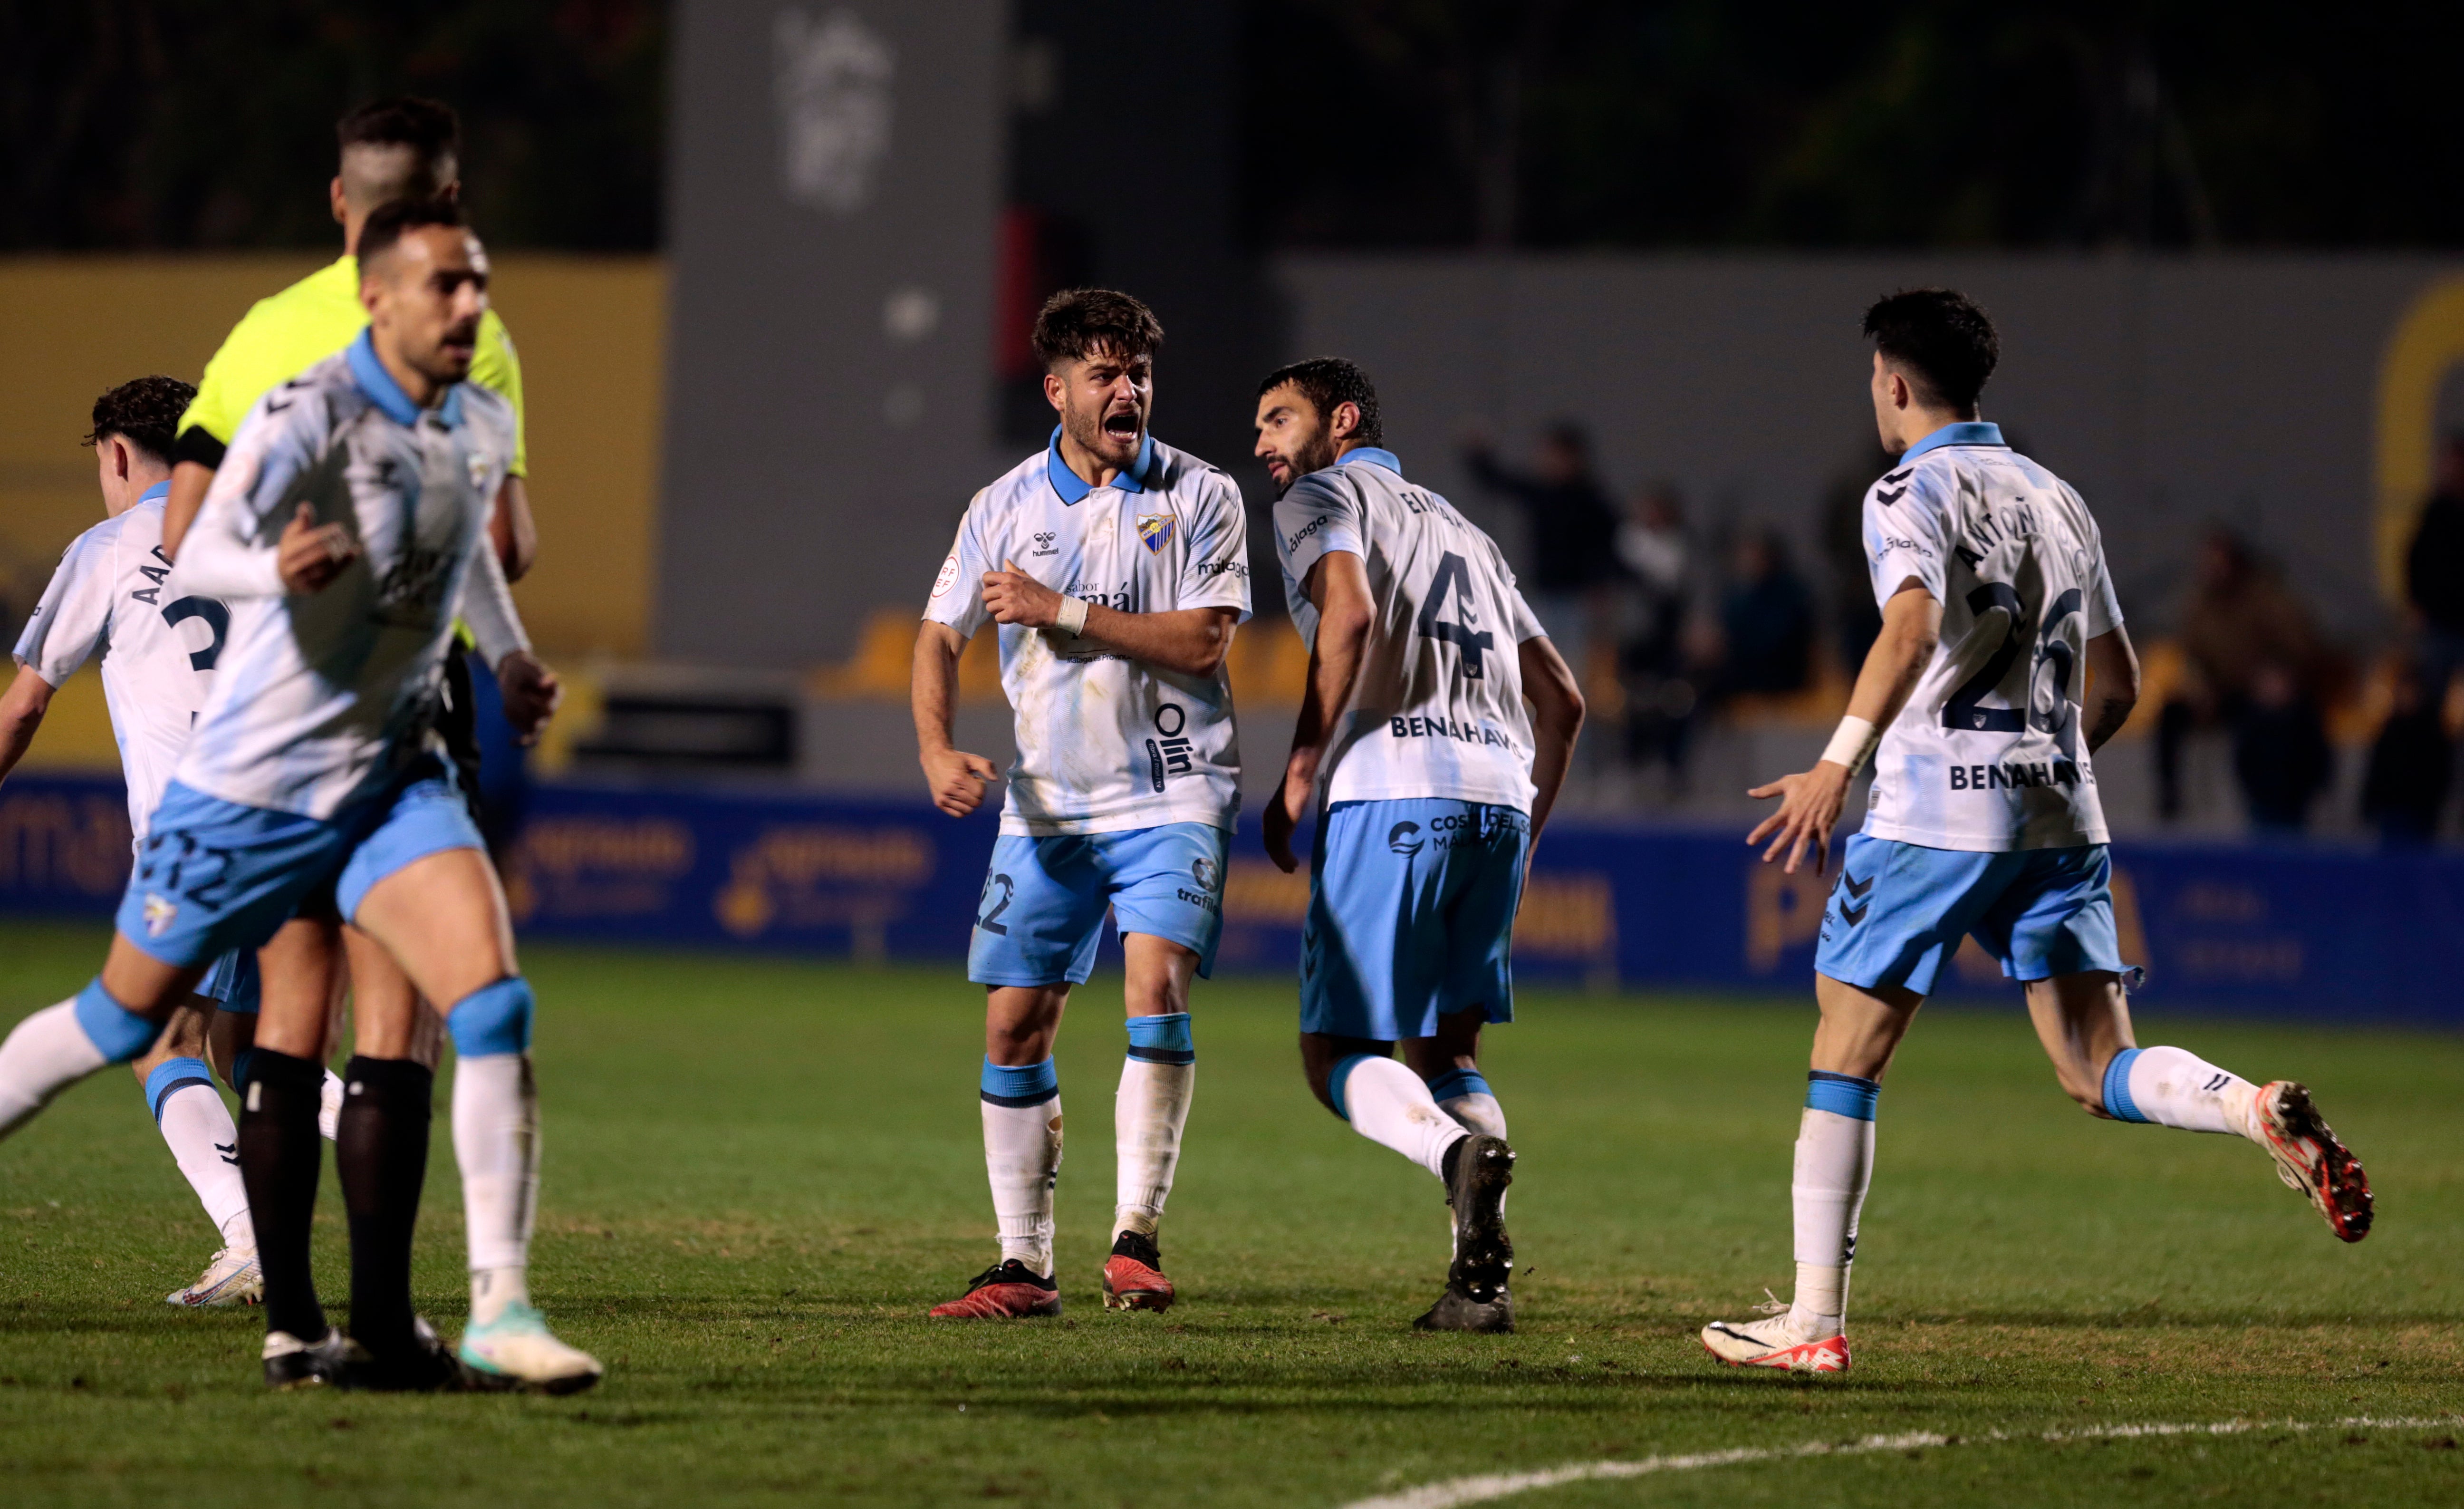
x=497 y=367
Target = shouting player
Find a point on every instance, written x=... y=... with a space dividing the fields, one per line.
x=108 y=599
x=340 y=532
x=1433 y=780
x=1116 y=569
x=2002 y=665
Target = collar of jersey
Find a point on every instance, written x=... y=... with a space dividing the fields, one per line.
x=1967 y=431
x=1374 y=456
x=162 y=489
x=387 y=393
x=1074 y=488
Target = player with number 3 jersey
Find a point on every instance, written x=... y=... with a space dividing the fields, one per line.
x=2001 y=667
x=1432 y=778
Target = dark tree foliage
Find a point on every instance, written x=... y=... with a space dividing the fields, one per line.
x=176 y=123
x=1703 y=122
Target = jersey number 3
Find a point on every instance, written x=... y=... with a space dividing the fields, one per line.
x=1454 y=577
x=217 y=618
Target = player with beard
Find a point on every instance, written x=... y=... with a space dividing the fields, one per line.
x=1114 y=568
x=1434 y=735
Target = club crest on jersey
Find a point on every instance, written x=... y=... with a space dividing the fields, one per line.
x=158 y=913
x=478 y=465
x=1156 y=529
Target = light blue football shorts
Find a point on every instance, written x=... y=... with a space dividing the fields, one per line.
x=214 y=876
x=232 y=983
x=1043 y=907
x=1899 y=911
x=1411 y=916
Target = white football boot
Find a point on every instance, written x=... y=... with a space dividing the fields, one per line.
x=1775 y=1344
x=517 y=1351
x=232 y=1278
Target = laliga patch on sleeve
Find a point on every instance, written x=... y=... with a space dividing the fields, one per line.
x=949 y=577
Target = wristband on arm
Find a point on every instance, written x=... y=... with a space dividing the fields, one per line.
x=1072 y=619
x=1853 y=744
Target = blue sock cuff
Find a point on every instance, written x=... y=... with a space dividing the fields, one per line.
x=1022 y=1084
x=243 y=1064
x=1457 y=1083
x=2117 y=1103
x=173 y=1073
x=495 y=1019
x=1336 y=1079
x=117 y=1033
x=1842 y=1094
x=1163 y=1039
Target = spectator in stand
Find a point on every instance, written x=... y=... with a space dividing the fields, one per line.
x=2240 y=617
x=2433 y=573
x=1765 y=621
x=1664 y=563
x=2280 y=750
x=2412 y=764
x=1572 y=540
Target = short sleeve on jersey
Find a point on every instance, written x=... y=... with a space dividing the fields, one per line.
x=1218 y=554
x=957 y=592
x=1904 y=535
x=74 y=618
x=1313 y=519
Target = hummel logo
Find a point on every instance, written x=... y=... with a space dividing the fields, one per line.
x=1857 y=888
x=1854 y=915
x=1888 y=496
x=230 y=1152
x=1900 y=475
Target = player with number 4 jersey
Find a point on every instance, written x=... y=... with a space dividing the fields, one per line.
x=1432 y=779
x=2001 y=667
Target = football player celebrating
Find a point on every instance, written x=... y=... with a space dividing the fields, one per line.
x=2002 y=666
x=1433 y=750
x=1115 y=567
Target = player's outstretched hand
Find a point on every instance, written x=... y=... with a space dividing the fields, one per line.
x=1808 y=809
x=310 y=555
x=957 y=779
x=1014 y=597
x=531 y=692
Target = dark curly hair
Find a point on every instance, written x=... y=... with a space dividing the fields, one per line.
x=1941 y=340
x=1077 y=322
x=1328 y=382
x=145 y=414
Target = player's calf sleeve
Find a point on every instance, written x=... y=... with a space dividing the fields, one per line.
x=1148 y=1114
x=61 y=1045
x=381 y=1154
x=2171 y=1087
x=204 y=1142
x=1834 y=1163
x=1390 y=1105
x=1464 y=1095
x=1022 y=1108
x=280 y=1154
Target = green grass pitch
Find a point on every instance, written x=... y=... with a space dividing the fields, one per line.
x=759 y=1173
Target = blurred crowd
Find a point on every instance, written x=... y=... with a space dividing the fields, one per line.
x=1669 y=625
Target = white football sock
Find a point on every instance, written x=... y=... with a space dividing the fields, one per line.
x=1148 y=1111
x=2173 y=1087
x=43 y=1056
x=1022 y=1108
x=1464 y=1094
x=496 y=1142
x=329 y=1114
x=1834 y=1163
x=205 y=1142
x=1390 y=1105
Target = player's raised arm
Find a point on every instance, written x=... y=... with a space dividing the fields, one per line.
x=1190 y=641
x=1810 y=801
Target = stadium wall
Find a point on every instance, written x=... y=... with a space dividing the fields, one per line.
x=2295 y=932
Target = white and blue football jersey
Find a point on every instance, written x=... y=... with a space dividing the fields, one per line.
x=1106 y=743
x=110 y=598
x=1436 y=710
x=1988 y=755
x=319 y=699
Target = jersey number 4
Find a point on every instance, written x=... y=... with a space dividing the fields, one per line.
x=1967 y=711
x=1454 y=578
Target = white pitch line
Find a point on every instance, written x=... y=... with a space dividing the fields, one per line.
x=1486 y=1486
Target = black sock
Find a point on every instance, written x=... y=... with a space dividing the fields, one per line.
x=382 y=1152
x=1451 y=1162
x=280 y=1155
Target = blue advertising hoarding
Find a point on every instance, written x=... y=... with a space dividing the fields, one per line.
x=2317 y=932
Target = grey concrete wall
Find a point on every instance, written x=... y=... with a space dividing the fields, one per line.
x=2173 y=391
x=833 y=173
